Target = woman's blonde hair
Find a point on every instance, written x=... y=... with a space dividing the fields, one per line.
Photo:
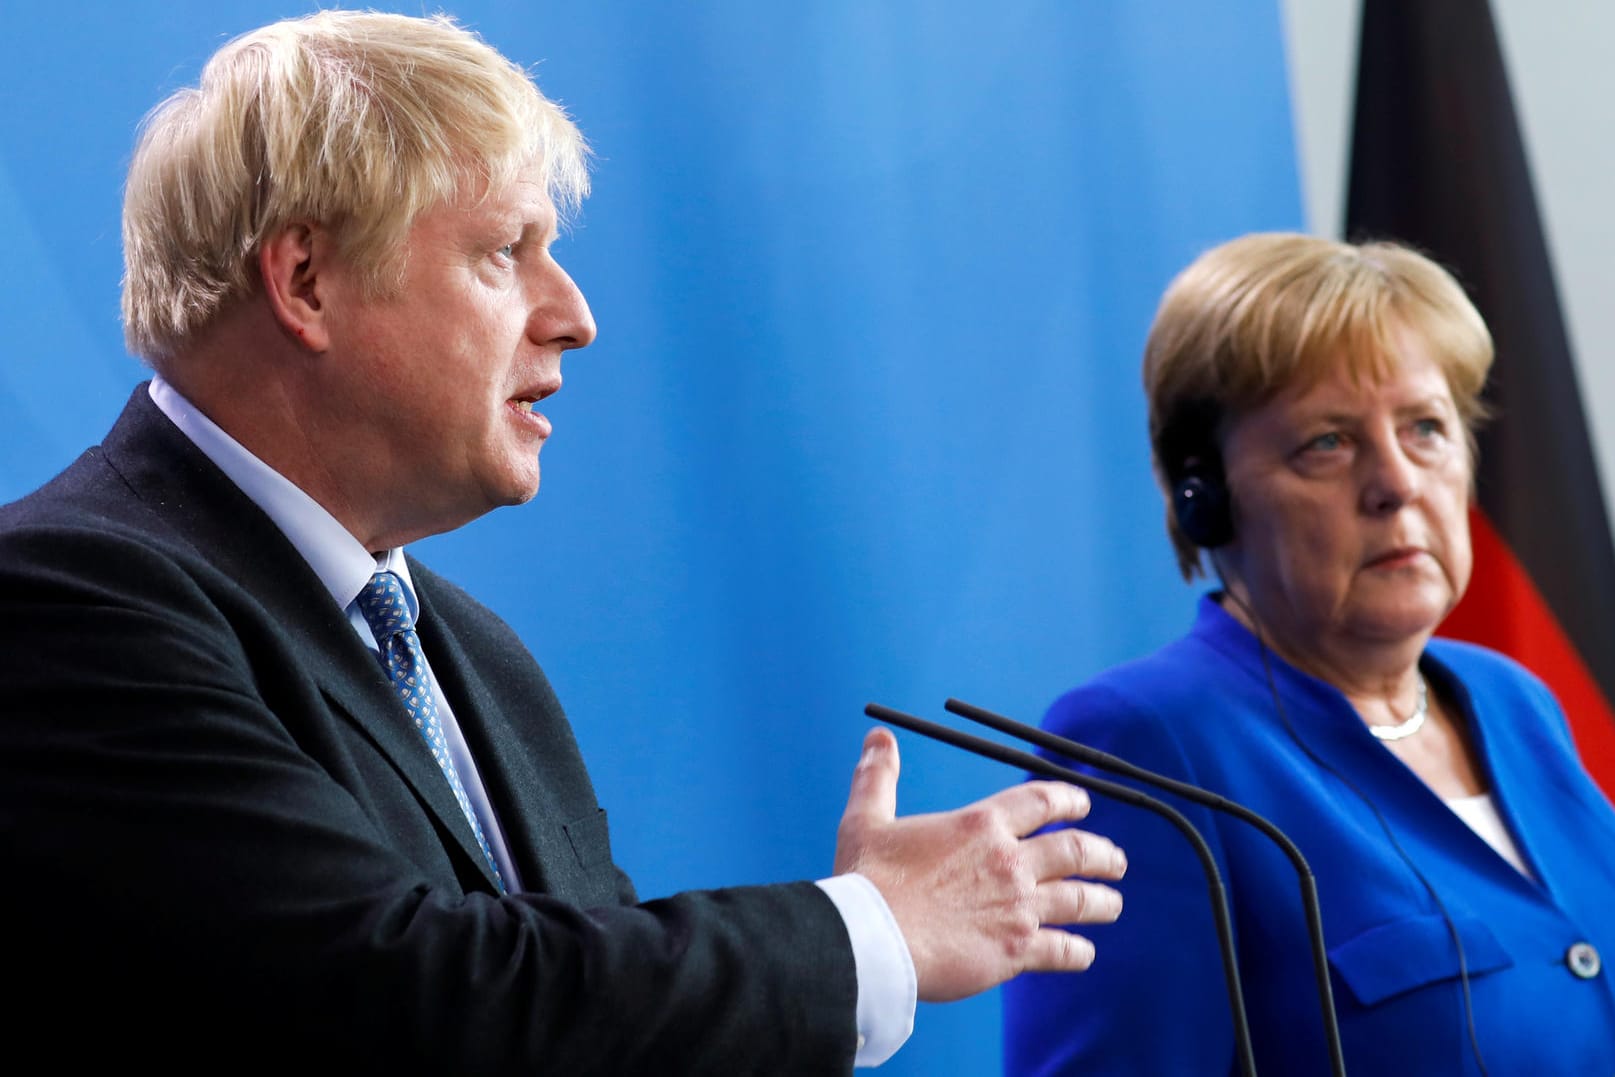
x=356 y=120
x=1273 y=311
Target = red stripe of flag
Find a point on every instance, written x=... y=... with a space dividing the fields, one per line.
x=1504 y=610
x=1437 y=162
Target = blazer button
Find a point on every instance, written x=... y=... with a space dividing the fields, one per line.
x=1583 y=959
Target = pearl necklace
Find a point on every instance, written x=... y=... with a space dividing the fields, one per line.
x=1412 y=724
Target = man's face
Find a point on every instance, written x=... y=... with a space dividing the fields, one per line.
x=432 y=386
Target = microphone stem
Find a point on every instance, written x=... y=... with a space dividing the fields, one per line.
x=1038 y=765
x=1308 y=883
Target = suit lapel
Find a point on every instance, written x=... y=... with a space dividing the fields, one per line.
x=187 y=491
x=1333 y=730
x=385 y=721
x=528 y=807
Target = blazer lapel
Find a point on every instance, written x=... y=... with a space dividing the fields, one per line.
x=188 y=491
x=368 y=700
x=528 y=808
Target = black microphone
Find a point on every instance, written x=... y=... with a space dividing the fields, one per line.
x=1104 y=761
x=1036 y=764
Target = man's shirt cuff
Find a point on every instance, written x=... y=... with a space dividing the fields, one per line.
x=886 y=983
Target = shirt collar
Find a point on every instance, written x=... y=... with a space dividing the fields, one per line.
x=341 y=562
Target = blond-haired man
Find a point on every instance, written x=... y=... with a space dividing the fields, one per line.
x=276 y=794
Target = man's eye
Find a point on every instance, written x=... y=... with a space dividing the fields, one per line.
x=508 y=250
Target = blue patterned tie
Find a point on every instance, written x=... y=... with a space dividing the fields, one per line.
x=387 y=611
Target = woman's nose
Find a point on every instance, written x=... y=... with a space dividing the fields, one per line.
x=1392 y=479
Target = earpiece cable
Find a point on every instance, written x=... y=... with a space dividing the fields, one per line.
x=1284 y=717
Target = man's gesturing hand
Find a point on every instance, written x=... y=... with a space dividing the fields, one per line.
x=970 y=891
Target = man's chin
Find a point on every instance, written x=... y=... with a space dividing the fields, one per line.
x=522 y=490
x=510 y=480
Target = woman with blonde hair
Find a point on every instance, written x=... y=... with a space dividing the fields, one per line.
x=1312 y=407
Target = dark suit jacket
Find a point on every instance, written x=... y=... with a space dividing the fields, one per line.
x=226 y=848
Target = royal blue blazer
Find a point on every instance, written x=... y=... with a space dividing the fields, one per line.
x=1537 y=949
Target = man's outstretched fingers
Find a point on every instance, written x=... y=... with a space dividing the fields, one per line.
x=1032 y=805
x=1069 y=851
x=1071 y=901
x=973 y=890
x=1059 y=951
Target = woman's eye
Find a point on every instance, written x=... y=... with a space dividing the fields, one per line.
x=1324 y=443
x=1429 y=428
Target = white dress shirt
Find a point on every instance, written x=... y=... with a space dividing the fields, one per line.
x=1480 y=812
x=886 y=980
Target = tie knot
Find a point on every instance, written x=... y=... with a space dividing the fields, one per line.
x=385 y=606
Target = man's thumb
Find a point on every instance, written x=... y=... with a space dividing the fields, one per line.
x=874 y=783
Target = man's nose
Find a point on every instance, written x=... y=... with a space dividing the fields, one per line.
x=561 y=315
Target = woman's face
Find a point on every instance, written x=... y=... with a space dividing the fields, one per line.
x=1351 y=507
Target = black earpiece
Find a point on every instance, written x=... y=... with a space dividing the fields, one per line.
x=1200 y=503
x=1187 y=448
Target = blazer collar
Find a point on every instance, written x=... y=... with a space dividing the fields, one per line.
x=184 y=489
x=508 y=767
x=1327 y=727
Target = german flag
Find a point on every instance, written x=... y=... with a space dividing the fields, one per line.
x=1438 y=162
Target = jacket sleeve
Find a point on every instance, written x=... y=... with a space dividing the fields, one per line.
x=1153 y=1001
x=188 y=880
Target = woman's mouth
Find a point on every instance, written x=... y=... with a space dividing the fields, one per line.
x=1400 y=557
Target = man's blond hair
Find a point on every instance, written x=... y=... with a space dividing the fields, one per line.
x=358 y=121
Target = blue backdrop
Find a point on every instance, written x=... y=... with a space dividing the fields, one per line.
x=863 y=420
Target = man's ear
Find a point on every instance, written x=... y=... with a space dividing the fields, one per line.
x=294 y=264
